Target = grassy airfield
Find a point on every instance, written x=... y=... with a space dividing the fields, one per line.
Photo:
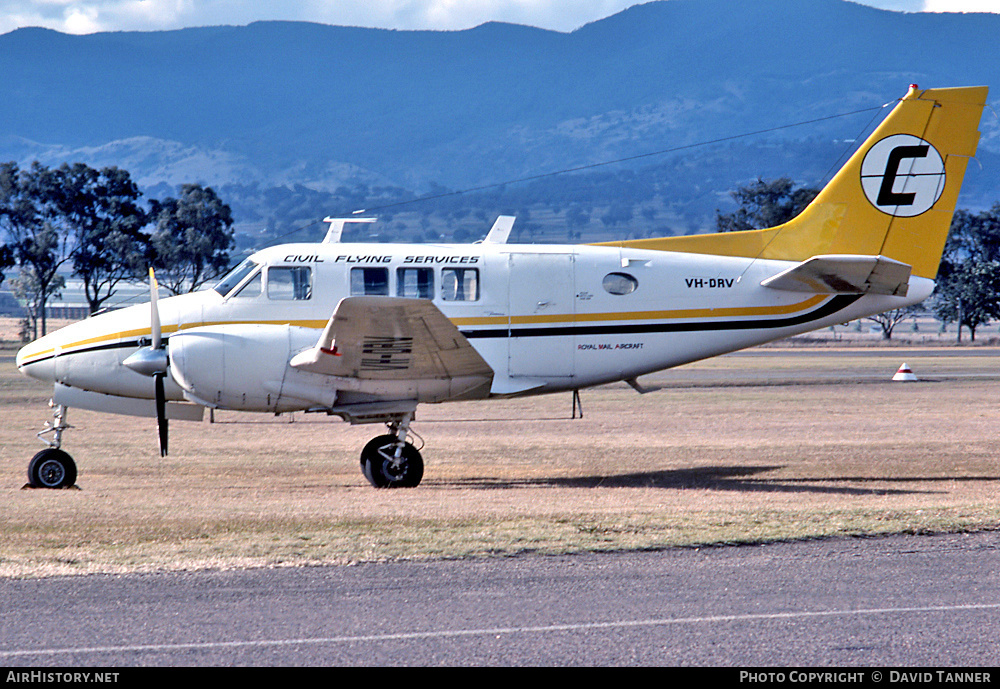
x=774 y=443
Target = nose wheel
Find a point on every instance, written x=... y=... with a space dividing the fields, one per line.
x=52 y=467
x=391 y=461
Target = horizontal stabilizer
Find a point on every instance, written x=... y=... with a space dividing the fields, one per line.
x=844 y=274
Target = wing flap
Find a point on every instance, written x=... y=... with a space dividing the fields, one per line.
x=844 y=274
x=390 y=338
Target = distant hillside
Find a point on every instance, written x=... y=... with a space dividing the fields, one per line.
x=283 y=103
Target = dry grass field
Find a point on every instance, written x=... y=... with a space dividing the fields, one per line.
x=770 y=444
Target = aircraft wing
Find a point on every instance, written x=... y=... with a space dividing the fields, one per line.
x=393 y=339
x=844 y=274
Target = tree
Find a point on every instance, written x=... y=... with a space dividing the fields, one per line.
x=974 y=236
x=7 y=260
x=968 y=285
x=764 y=204
x=618 y=213
x=888 y=320
x=969 y=295
x=191 y=239
x=26 y=288
x=100 y=210
x=29 y=213
x=577 y=217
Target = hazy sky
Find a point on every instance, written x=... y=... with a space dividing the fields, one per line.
x=88 y=16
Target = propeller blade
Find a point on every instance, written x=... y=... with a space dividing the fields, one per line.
x=161 y=412
x=154 y=310
x=151 y=360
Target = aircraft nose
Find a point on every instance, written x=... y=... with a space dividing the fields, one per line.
x=38 y=359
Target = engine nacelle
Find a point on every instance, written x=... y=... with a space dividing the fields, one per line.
x=236 y=366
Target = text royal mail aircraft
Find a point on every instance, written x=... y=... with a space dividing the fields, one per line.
x=369 y=331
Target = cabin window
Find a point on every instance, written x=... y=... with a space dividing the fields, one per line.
x=460 y=284
x=250 y=289
x=289 y=283
x=234 y=277
x=372 y=281
x=415 y=283
x=620 y=283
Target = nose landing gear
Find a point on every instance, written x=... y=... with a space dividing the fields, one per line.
x=391 y=461
x=52 y=468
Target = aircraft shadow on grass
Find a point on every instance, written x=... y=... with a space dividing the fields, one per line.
x=726 y=478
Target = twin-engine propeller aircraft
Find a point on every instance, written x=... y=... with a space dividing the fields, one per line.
x=369 y=331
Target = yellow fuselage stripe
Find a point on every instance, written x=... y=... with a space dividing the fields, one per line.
x=677 y=314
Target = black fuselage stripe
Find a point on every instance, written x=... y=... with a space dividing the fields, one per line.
x=133 y=344
x=831 y=307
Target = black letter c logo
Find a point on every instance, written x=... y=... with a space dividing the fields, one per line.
x=886 y=196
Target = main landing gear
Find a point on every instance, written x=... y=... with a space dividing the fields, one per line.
x=387 y=461
x=391 y=461
x=52 y=468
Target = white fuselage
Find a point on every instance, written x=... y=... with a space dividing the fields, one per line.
x=545 y=318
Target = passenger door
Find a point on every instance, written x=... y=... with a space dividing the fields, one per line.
x=541 y=309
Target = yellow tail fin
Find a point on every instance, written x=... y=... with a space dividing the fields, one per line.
x=895 y=197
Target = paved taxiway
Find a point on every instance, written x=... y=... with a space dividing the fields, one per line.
x=890 y=601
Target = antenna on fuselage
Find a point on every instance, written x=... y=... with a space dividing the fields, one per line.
x=337 y=228
x=501 y=230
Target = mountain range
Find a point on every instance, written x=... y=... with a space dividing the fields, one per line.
x=287 y=103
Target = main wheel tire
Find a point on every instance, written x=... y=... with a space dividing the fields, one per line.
x=51 y=468
x=383 y=470
x=374 y=445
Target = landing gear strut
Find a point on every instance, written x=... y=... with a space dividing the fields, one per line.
x=52 y=468
x=390 y=461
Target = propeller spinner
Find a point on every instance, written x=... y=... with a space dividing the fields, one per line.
x=153 y=361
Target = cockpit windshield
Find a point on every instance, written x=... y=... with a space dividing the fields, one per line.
x=235 y=277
